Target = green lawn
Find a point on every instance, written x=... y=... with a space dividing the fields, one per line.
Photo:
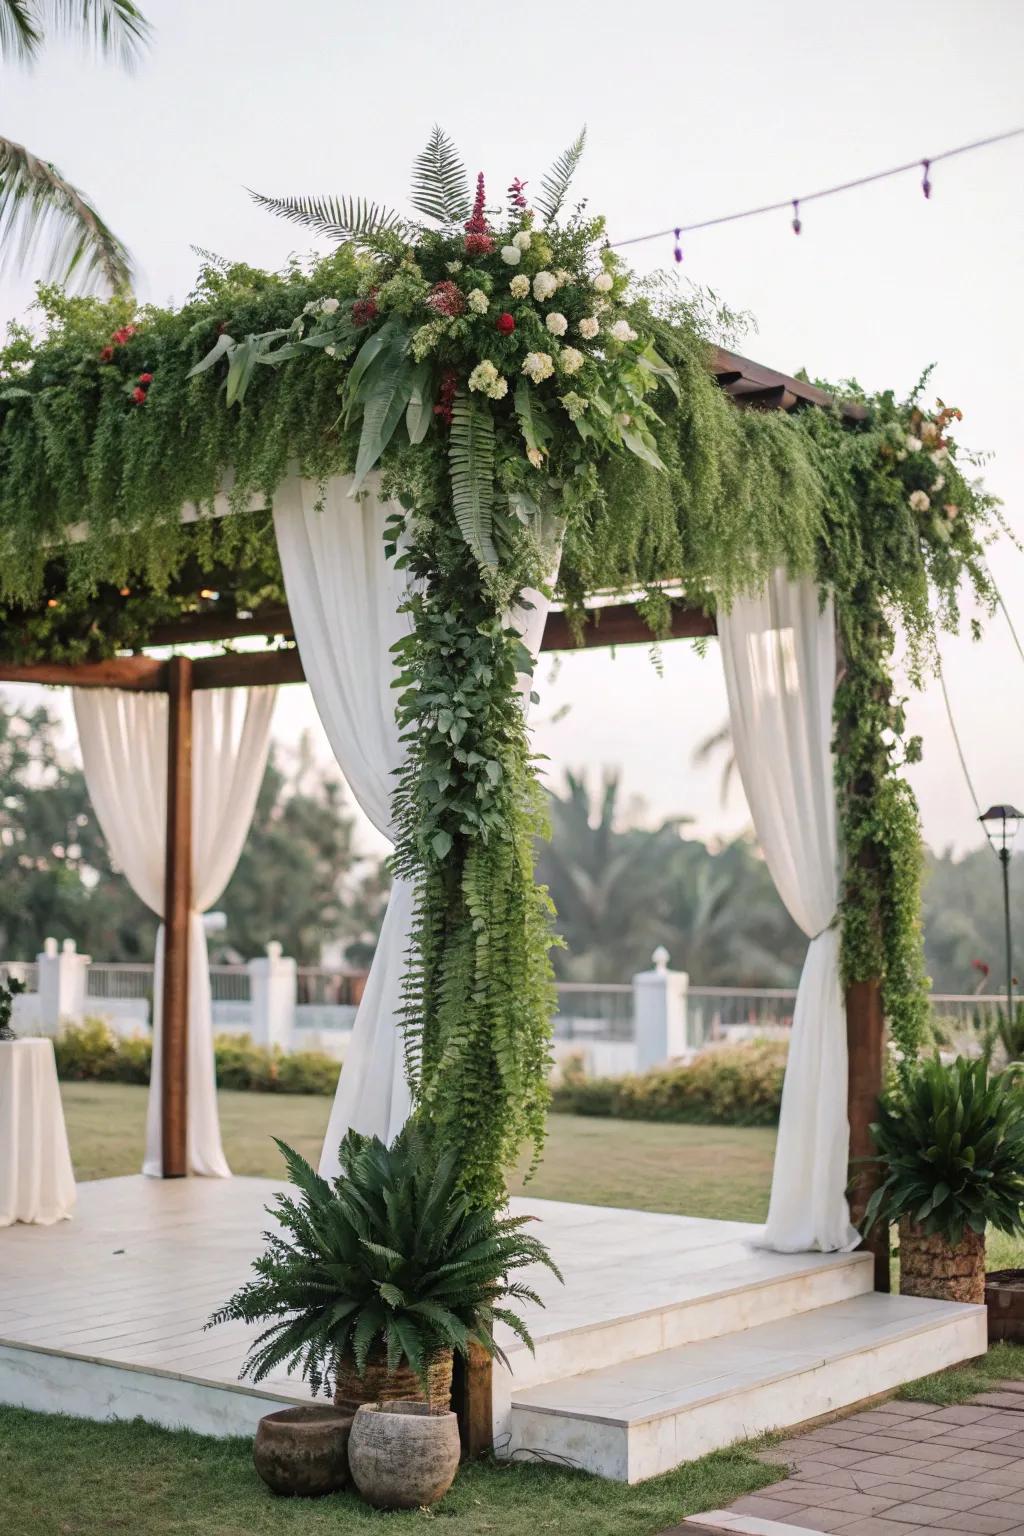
x=69 y=1477
x=693 y=1170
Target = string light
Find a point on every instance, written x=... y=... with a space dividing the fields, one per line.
x=921 y=164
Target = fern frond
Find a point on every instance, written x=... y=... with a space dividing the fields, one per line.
x=440 y=188
x=471 y=465
x=555 y=184
x=342 y=218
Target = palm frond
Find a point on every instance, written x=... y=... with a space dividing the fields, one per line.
x=341 y=218
x=555 y=184
x=471 y=466
x=440 y=188
x=39 y=207
x=20 y=32
x=115 y=28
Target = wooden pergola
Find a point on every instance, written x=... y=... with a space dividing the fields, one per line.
x=752 y=386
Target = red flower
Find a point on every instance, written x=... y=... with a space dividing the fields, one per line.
x=145 y=378
x=364 y=310
x=477 y=225
x=506 y=323
x=123 y=335
x=479 y=245
x=446 y=299
x=515 y=193
x=449 y=384
x=138 y=395
x=106 y=354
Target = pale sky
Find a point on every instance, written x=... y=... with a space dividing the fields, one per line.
x=692 y=110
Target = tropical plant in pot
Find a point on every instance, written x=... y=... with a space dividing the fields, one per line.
x=375 y=1278
x=950 y=1142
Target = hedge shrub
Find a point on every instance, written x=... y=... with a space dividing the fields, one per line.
x=733 y=1085
x=92 y=1052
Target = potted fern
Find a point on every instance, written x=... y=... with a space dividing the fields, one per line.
x=950 y=1141
x=374 y=1279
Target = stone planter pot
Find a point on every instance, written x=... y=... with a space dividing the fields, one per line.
x=1004 y=1297
x=403 y=1455
x=379 y=1385
x=930 y=1267
x=303 y=1451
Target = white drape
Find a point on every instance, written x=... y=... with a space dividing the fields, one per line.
x=124 y=751
x=343 y=596
x=779 y=653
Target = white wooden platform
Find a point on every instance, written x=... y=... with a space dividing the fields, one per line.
x=671 y=1336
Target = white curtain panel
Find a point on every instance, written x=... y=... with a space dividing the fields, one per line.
x=124 y=752
x=779 y=653
x=343 y=596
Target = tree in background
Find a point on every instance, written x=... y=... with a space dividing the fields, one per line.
x=299 y=879
x=37 y=204
x=620 y=891
x=962 y=911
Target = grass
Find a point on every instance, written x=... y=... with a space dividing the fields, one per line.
x=1004 y=1362
x=693 y=1170
x=70 y=1477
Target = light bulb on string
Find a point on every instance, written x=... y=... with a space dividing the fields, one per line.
x=926 y=183
x=678 y=251
x=797 y=226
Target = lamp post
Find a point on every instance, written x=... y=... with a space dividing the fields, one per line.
x=1002 y=821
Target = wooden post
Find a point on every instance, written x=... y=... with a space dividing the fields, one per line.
x=177 y=906
x=865 y=1035
x=471 y=1400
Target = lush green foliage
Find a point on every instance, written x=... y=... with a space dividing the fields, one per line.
x=736 y=1085
x=92 y=1052
x=390 y=1259
x=395 y=352
x=950 y=1141
x=8 y=992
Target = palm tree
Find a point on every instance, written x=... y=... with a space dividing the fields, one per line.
x=37 y=204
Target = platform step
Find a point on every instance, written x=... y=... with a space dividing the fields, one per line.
x=636 y=1419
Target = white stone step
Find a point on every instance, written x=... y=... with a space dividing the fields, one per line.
x=632 y=1420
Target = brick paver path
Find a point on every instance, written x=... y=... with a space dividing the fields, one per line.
x=899 y=1469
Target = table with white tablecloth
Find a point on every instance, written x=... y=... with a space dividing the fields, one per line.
x=37 y=1183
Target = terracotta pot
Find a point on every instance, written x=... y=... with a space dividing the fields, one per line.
x=379 y=1385
x=930 y=1267
x=1004 y=1297
x=403 y=1455
x=303 y=1451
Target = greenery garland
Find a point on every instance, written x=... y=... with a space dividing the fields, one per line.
x=504 y=375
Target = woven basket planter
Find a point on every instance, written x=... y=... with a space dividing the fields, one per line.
x=930 y=1267
x=379 y=1385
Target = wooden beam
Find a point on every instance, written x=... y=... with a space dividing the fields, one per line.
x=865 y=1037
x=140 y=674
x=177 y=909
x=472 y=1400
x=622 y=624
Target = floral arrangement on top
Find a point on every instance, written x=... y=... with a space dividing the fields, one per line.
x=491 y=325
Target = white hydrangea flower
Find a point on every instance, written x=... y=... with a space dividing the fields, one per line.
x=519 y=287
x=951 y=510
x=914 y=444
x=603 y=282
x=511 y=255
x=570 y=360
x=478 y=301
x=329 y=306
x=499 y=389
x=453 y=267
x=930 y=432
x=522 y=240
x=535 y=457
x=538 y=365
x=623 y=418
x=484 y=377
x=330 y=351
x=544 y=285
x=589 y=327
x=940 y=455
x=937 y=484
x=920 y=501
x=562 y=276
x=622 y=331
x=600 y=305
x=557 y=324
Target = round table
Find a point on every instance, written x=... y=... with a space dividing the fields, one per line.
x=37 y=1183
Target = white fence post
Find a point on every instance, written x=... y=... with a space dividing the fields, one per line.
x=273 y=992
x=61 y=985
x=659 y=1013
